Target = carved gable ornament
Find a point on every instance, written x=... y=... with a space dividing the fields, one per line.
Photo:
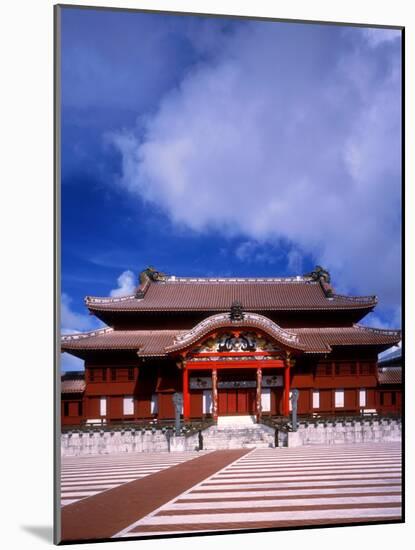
x=227 y=342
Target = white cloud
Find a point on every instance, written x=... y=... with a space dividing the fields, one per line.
x=373 y=320
x=291 y=135
x=70 y=362
x=245 y=250
x=126 y=284
x=72 y=322
x=295 y=261
x=375 y=37
x=391 y=319
x=257 y=252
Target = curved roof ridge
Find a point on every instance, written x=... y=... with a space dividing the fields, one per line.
x=316 y=329
x=80 y=335
x=391 y=332
x=109 y=299
x=359 y=299
x=293 y=279
x=224 y=320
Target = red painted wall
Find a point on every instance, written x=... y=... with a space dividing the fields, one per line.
x=343 y=369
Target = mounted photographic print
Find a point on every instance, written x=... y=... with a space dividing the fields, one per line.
x=229 y=274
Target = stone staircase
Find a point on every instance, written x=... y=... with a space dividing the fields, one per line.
x=238 y=433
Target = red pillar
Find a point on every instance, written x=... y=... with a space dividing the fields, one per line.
x=286 y=410
x=186 y=395
x=215 y=394
x=258 y=393
x=136 y=375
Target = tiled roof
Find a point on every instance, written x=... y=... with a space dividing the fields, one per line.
x=146 y=342
x=74 y=385
x=344 y=336
x=155 y=342
x=180 y=294
x=390 y=376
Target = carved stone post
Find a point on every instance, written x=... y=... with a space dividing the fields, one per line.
x=215 y=394
x=258 y=393
x=178 y=403
x=294 y=400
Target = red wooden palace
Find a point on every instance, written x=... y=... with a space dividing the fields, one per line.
x=231 y=346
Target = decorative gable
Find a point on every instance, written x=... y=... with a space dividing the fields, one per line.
x=243 y=342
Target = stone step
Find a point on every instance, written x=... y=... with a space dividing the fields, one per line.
x=237 y=445
x=237 y=433
x=220 y=441
x=247 y=435
x=240 y=420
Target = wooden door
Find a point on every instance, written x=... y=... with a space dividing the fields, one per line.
x=250 y=401
x=242 y=402
x=222 y=402
x=233 y=401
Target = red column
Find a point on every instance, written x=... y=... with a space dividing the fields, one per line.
x=136 y=375
x=286 y=411
x=186 y=395
x=215 y=394
x=258 y=393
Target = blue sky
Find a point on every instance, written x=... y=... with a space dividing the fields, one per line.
x=213 y=146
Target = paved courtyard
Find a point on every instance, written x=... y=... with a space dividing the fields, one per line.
x=87 y=476
x=240 y=489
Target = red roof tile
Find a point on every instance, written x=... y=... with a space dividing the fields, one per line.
x=72 y=386
x=146 y=342
x=180 y=294
x=390 y=376
x=344 y=336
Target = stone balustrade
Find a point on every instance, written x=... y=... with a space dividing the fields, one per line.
x=127 y=441
x=95 y=442
x=341 y=433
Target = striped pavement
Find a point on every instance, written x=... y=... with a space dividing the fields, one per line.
x=270 y=488
x=86 y=476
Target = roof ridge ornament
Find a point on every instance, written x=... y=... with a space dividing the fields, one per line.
x=153 y=274
x=322 y=276
x=148 y=275
x=237 y=312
